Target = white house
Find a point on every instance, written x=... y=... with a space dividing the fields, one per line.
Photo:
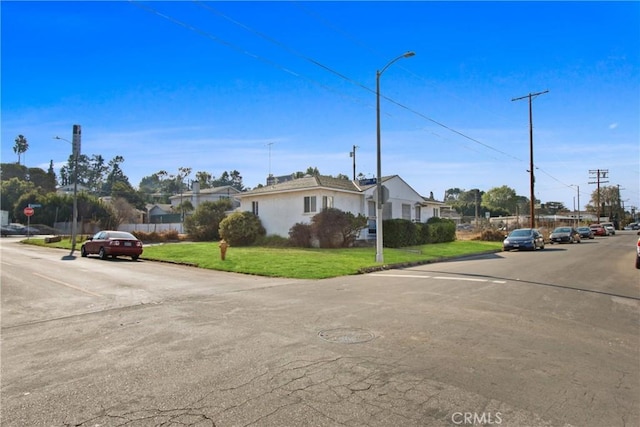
x=197 y=196
x=280 y=206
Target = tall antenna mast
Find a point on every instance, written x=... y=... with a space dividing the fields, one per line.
x=270 y=144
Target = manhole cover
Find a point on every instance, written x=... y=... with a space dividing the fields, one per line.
x=346 y=335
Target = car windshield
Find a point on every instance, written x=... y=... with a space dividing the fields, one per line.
x=583 y=228
x=562 y=230
x=520 y=233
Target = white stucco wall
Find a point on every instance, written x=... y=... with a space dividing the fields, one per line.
x=279 y=212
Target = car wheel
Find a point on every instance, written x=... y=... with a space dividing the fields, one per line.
x=102 y=254
x=638 y=262
x=134 y=257
x=83 y=252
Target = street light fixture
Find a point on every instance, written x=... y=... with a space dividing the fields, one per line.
x=379 y=201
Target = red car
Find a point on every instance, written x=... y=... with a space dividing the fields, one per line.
x=598 y=230
x=112 y=243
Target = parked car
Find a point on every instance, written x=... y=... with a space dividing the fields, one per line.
x=585 y=232
x=112 y=243
x=638 y=252
x=598 y=230
x=564 y=235
x=8 y=231
x=632 y=226
x=523 y=238
x=611 y=229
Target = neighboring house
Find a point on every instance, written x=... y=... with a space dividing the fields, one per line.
x=280 y=206
x=197 y=196
x=68 y=189
x=160 y=213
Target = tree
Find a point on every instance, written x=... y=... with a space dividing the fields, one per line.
x=610 y=204
x=14 y=170
x=204 y=179
x=452 y=195
x=204 y=224
x=11 y=190
x=122 y=189
x=21 y=146
x=501 y=200
x=93 y=173
x=311 y=171
x=152 y=185
x=122 y=211
x=43 y=180
x=115 y=175
x=466 y=203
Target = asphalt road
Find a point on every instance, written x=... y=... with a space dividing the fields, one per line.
x=549 y=338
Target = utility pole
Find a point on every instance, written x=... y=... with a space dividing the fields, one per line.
x=531 y=176
x=353 y=154
x=600 y=175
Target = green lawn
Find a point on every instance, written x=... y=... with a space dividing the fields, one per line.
x=298 y=263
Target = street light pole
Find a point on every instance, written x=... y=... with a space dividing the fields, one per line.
x=578 y=193
x=379 y=198
x=75 y=150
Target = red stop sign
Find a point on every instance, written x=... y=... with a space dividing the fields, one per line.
x=28 y=211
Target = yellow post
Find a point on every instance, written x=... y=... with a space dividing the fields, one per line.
x=223 y=249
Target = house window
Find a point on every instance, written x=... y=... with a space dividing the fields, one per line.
x=327 y=202
x=309 y=204
x=418 y=214
x=254 y=208
x=406 y=212
x=371 y=209
x=436 y=212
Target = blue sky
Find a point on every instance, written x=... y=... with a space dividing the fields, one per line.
x=276 y=87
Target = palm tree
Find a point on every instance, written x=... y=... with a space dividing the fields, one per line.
x=21 y=146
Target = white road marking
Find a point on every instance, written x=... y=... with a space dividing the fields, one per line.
x=458 y=278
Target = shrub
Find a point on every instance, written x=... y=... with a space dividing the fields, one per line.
x=300 y=235
x=334 y=228
x=241 y=228
x=422 y=233
x=492 y=235
x=398 y=233
x=171 y=235
x=440 y=230
x=155 y=237
x=204 y=224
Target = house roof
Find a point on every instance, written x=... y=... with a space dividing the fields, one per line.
x=162 y=206
x=307 y=182
x=328 y=182
x=224 y=190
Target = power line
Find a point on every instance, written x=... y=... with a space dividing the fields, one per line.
x=346 y=78
x=318 y=64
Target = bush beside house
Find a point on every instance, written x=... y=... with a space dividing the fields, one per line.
x=400 y=233
x=241 y=229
